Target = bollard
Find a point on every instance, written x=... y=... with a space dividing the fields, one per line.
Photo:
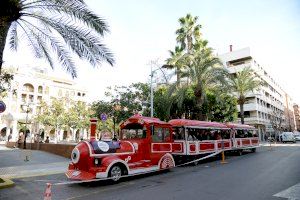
x=223 y=161
x=47 y=194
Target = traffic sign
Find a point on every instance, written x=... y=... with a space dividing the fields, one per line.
x=2 y=106
x=103 y=117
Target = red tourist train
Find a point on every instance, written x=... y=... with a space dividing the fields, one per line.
x=149 y=144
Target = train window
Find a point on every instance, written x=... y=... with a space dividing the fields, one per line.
x=191 y=134
x=161 y=135
x=240 y=134
x=225 y=134
x=134 y=131
x=248 y=133
x=178 y=133
x=157 y=135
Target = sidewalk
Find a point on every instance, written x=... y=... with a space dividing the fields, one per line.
x=12 y=164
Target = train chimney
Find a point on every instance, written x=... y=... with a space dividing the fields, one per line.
x=93 y=128
x=230 y=48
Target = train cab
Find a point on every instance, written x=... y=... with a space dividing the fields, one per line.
x=144 y=146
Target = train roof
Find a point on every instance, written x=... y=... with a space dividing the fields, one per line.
x=139 y=119
x=239 y=126
x=196 y=124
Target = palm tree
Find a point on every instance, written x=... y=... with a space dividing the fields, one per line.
x=177 y=60
x=206 y=73
x=54 y=27
x=188 y=32
x=242 y=83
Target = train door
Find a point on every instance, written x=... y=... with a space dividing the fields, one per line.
x=160 y=142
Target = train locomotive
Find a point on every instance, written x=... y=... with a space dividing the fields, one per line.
x=144 y=146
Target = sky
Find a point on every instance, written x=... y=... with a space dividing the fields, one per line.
x=144 y=30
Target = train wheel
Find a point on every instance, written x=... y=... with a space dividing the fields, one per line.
x=115 y=173
x=167 y=162
x=253 y=150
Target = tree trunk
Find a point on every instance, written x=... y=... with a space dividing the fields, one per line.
x=242 y=113
x=178 y=76
x=4 y=27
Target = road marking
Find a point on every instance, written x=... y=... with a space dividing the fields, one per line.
x=292 y=193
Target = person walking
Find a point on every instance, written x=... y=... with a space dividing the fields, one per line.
x=20 y=140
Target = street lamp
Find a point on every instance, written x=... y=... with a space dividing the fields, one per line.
x=151 y=82
x=27 y=109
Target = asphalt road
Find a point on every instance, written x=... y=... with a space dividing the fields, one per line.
x=266 y=174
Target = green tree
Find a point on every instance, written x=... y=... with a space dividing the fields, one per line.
x=176 y=61
x=162 y=103
x=123 y=102
x=206 y=73
x=242 y=83
x=5 y=83
x=53 y=115
x=221 y=107
x=77 y=117
x=189 y=32
x=54 y=27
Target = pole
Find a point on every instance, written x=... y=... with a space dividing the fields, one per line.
x=114 y=121
x=26 y=121
x=25 y=132
x=151 y=95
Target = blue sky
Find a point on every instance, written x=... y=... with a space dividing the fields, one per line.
x=145 y=30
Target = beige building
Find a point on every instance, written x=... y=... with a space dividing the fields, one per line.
x=297 y=116
x=267 y=105
x=29 y=88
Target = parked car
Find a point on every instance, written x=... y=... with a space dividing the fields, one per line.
x=287 y=137
x=297 y=136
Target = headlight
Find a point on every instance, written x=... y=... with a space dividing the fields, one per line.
x=97 y=161
x=75 y=155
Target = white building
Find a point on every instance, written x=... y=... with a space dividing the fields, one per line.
x=261 y=104
x=29 y=87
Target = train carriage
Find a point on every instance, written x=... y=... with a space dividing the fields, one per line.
x=243 y=137
x=194 y=138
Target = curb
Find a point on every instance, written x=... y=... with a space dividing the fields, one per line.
x=6 y=183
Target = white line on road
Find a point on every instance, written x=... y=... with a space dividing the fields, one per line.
x=292 y=193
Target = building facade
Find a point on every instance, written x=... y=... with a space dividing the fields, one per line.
x=267 y=107
x=297 y=116
x=29 y=88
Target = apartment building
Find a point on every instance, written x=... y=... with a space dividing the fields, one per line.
x=270 y=104
x=297 y=116
x=31 y=86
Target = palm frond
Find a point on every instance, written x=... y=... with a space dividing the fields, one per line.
x=13 y=40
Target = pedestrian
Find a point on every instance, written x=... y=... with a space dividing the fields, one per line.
x=9 y=137
x=20 y=140
x=47 y=139
x=23 y=140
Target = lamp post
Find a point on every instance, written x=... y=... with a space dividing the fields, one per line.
x=27 y=109
x=151 y=82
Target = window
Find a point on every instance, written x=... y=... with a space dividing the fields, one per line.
x=40 y=89
x=160 y=134
x=28 y=87
x=59 y=92
x=134 y=131
x=47 y=90
x=240 y=134
x=178 y=133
